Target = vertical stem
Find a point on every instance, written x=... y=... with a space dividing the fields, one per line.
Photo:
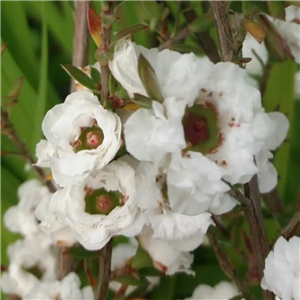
x=220 y=13
x=104 y=271
x=81 y=37
x=80 y=59
x=107 y=10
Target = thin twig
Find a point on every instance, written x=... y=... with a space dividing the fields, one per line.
x=81 y=37
x=9 y=130
x=180 y=36
x=104 y=271
x=107 y=11
x=225 y=264
x=220 y=13
x=254 y=217
x=288 y=230
x=205 y=40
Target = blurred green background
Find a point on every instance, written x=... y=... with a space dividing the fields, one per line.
x=40 y=38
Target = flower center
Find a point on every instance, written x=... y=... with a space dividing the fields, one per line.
x=89 y=138
x=102 y=202
x=201 y=129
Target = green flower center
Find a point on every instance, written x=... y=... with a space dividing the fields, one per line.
x=102 y=202
x=89 y=138
x=201 y=128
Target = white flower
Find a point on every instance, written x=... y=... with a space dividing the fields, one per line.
x=282 y=269
x=21 y=218
x=81 y=136
x=68 y=288
x=211 y=117
x=165 y=257
x=182 y=225
x=31 y=261
x=96 y=209
x=252 y=48
x=289 y=29
x=222 y=291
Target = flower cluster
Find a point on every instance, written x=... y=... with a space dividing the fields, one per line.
x=161 y=172
x=31 y=273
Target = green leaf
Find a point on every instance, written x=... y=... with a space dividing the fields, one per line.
x=95 y=74
x=142 y=101
x=149 y=271
x=280 y=92
x=141 y=259
x=130 y=30
x=165 y=290
x=202 y=24
x=130 y=280
x=149 y=79
x=42 y=94
x=80 y=252
x=80 y=76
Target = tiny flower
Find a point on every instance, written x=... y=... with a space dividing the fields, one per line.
x=174 y=219
x=222 y=291
x=282 y=269
x=81 y=136
x=68 y=288
x=31 y=261
x=21 y=218
x=95 y=210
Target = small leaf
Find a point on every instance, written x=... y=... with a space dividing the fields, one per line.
x=80 y=252
x=257 y=30
x=131 y=106
x=149 y=271
x=103 y=56
x=95 y=26
x=80 y=76
x=141 y=259
x=130 y=30
x=112 y=85
x=202 y=24
x=95 y=74
x=131 y=280
x=142 y=101
x=149 y=79
x=3 y=48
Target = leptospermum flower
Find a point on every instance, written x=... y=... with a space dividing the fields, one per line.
x=210 y=124
x=81 y=136
x=95 y=210
x=21 y=218
x=32 y=261
x=223 y=290
x=68 y=288
x=282 y=269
